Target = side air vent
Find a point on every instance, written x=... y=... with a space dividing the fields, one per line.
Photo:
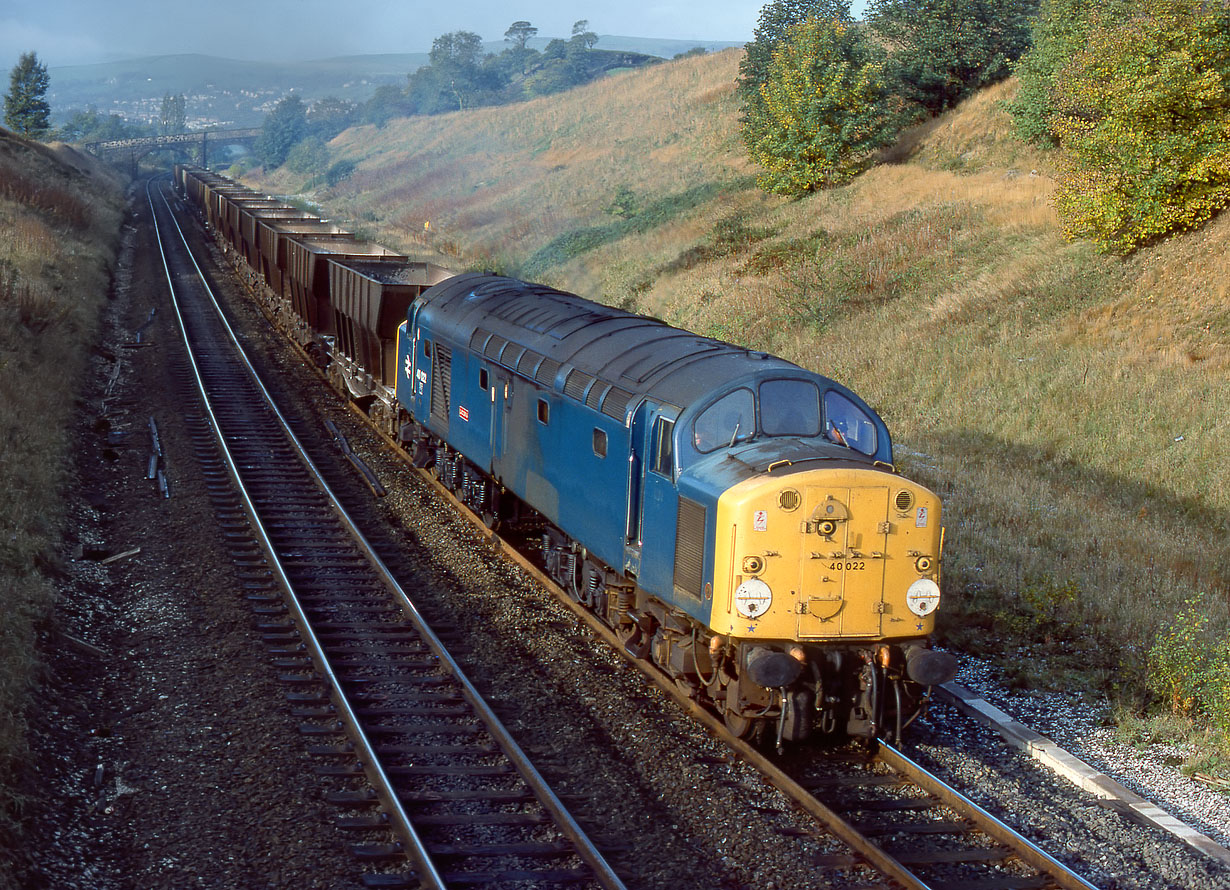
x=594 y=399
x=528 y=361
x=494 y=345
x=512 y=355
x=690 y=548
x=903 y=501
x=574 y=386
x=441 y=382
x=547 y=371
x=479 y=338
x=616 y=403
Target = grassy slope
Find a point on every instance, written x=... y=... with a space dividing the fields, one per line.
x=1070 y=407
x=59 y=225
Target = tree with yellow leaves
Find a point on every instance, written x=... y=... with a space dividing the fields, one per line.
x=823 y=108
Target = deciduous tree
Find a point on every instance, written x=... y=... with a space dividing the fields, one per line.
x=1142 y=112
x=1058 y=33
x=775 y=19
x=283 y=127
x=824 y=108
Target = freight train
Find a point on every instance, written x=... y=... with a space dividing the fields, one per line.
x=732 y=516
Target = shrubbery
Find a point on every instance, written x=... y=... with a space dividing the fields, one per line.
x=1142 y=112
x=1189 y=666
x=823 y=108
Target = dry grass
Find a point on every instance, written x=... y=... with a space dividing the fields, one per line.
x=59 y=221
x=1071 y=408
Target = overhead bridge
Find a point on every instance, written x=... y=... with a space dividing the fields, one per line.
x=130 y=151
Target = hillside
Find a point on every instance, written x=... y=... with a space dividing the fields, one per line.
x=1069 y=406
x=60 y=215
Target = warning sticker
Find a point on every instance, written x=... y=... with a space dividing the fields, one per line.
x=921 y=520
x=463 y=412
x=760 y=520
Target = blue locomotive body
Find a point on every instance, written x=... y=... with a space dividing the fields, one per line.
x=589 y=415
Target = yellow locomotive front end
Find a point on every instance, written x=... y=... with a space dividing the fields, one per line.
x=826 y=581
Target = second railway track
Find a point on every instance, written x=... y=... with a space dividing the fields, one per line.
x=466 y=805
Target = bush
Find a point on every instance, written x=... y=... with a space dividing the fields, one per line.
x=1189 y=666
x=823 y=110
x=943 y=50
x=1060 y=31
x=1143 y=112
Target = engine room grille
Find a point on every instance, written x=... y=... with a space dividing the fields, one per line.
x=527 y=362
x=494 y=345
x=547 y=371
x=594 y=399
x=479 y=338
x=441 y=382
x=690 y=548
x=616 y=403
x=575 y=385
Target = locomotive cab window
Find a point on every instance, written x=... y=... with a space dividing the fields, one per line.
x=730 y=419
x=544 y=411
x=484 y=379
x=663 y=448
x=789 y=408
x=847 y=424
x=599 y=442
x=426 y=348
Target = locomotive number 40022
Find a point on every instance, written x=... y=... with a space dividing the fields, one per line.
x=855 y=566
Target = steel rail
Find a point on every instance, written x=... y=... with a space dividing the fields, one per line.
x=603 y=872
x=877 y=857
x=1021 y=846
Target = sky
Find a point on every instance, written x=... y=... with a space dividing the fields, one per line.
x=78 y=32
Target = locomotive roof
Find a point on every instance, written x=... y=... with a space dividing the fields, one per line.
x=637 y=354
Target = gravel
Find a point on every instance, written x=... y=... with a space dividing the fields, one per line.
x=1084 y=727
x=205 y=781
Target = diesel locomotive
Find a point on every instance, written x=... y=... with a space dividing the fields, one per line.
x=730 y=515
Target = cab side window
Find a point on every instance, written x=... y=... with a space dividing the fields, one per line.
x=663 y=447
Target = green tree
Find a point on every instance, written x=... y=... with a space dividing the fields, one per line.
x=519 y=34
x=1058 y=33
x=945 y=49
x=823 y=108
x=386 y=103
x=1142 y=112
x=90 y=126
x=309 y=155
x=775 y=19
x=25 y=107
x=174 y=117
x=283 y=127
x=582 y=37
x=329 y=116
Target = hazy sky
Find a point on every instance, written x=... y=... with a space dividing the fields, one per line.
x=71 y=32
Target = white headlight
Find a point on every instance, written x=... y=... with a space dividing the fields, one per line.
x=923 y=596
x=753 y=598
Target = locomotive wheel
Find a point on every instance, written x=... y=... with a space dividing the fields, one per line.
x=739 y=726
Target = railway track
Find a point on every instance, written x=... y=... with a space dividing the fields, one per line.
x=464 y=803
x=896 y=818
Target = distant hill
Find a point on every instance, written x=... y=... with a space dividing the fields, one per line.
x=220 y=91
x=232 y=92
